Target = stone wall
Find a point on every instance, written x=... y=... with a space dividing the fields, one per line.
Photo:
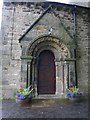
x=16 y=19
x=82 y=47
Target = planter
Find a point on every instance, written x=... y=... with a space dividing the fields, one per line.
x=24 y=95
x=76 y=98
x=74 y=94
x=24 y=101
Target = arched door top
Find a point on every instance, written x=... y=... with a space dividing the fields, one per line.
x=48 y=42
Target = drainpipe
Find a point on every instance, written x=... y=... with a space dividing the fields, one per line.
x=74 y=13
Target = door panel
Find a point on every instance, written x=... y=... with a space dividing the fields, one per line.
x=46 y=73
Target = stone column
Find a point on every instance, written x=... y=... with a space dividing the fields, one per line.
x=65 y=76
x=58 y=78
x=34 y=82
x=33 y=71
x=23 y=72
x=36 y=76
x=28 y=72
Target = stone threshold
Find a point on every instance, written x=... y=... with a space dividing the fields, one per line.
x=50 y=96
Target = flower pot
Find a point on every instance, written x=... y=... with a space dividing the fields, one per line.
x=76 y=98
x=24 y=101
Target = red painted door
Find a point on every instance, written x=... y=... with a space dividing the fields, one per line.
x=46 y=73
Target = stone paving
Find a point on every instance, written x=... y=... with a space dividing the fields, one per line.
x=45 y=109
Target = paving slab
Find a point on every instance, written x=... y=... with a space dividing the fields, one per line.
x=45 y=108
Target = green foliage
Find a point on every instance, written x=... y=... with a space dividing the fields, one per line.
x=25 y=91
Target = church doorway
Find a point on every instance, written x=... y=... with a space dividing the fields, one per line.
x=46 y=73
x=48 y=67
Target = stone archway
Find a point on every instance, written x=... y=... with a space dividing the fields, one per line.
x=60 y=52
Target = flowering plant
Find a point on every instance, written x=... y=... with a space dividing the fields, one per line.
x=73 y=91
x=23 y=93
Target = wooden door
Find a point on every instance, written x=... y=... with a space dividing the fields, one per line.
x=46 y=73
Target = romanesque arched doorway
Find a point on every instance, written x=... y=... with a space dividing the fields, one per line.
x=42 y=53
x=46 y=73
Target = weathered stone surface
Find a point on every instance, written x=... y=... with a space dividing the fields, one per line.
x=17 y=18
